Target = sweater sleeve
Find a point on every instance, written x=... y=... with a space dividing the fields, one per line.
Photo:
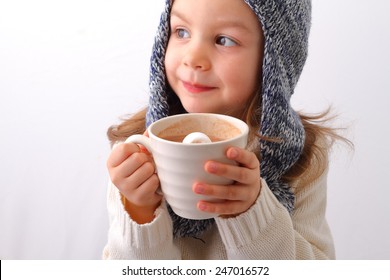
x=268 y=231
x=129 y=240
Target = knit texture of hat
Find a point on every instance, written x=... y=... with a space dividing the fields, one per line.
x=286 y=26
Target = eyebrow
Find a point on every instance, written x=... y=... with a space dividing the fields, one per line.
x=234 y=22
x=178 y=14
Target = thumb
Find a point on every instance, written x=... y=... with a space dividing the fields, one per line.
x=142 y=148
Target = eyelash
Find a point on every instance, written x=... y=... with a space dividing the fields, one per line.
x=232 y=42
x=180 y=30
x=218 y=40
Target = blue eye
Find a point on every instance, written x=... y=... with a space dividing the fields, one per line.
x=225 y=41
x=182 y=33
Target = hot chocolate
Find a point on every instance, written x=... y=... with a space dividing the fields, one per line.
x=215 y=128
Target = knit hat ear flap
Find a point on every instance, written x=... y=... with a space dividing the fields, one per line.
x=158 y=99
x=286 y=26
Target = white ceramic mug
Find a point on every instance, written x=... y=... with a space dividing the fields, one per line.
x=179 y=164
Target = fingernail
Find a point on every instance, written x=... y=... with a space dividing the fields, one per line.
x=202 y=206
x=199 y=188
x=212 y=167
x=233 y=153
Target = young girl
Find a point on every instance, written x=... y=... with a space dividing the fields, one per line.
x=241 y=58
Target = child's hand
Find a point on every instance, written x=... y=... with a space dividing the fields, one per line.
x=132 y=171
x=240 y=196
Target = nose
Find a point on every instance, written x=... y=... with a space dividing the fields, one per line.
x=197 y=57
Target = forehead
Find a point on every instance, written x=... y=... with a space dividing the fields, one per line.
x=223 y=12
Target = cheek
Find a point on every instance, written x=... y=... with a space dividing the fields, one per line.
x=251 y=75
x=169 y=62
x=244 y=82
x=243 y=79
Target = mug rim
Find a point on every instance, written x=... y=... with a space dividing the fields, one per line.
x=243 y=127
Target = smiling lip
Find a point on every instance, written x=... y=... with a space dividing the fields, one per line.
x=196 y=88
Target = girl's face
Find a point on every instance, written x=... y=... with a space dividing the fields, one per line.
x=214 y=54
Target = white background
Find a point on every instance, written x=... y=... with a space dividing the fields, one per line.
x=69 y=69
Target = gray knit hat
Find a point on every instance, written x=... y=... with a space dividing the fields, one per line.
x=286 y=26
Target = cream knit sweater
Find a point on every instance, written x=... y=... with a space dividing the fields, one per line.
x=265 y=231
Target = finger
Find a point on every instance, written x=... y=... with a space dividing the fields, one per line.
x=120 y=153
x=243 y=157
x=232 y=172
x=139 y=176
x=223 y=207
x=150 y=186
x=146 y=193
x=128 y=166
x=143 y=148
x=230 y=192
x=120 y=173
x=133 y=162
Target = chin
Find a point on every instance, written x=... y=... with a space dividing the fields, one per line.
x=192 y=109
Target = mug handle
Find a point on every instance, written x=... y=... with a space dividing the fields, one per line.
x=140 y=139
